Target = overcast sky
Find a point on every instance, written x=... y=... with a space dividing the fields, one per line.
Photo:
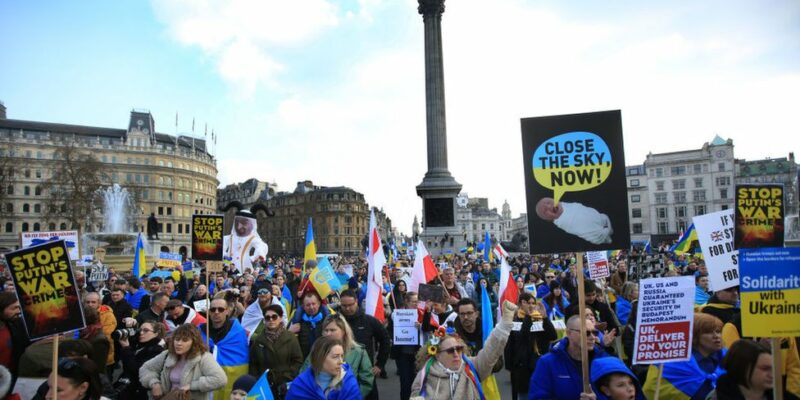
x=333 y=91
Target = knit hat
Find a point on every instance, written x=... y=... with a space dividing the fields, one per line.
x=245 y=382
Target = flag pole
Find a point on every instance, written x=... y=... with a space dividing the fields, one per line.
x=658 y=380
x=54 y=386
x=587 y=388
x=777 y=377
x=208 y=305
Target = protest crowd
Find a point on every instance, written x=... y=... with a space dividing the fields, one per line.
x=272 y=328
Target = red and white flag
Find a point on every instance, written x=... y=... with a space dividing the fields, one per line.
x=508 y=288
x=424 y=269
x=374 y=301
x=500 y=252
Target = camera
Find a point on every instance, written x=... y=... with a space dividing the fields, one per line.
x=123 y=333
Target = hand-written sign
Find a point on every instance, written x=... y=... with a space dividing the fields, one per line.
x=715 y=233
x=665 y=319
x=405 y=332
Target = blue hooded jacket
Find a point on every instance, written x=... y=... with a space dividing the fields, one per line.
x=608 y=365
x=305 y=387
x=557 y=376
x=623 y=310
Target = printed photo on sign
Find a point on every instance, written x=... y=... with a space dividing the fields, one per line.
x=715 y=233
x=770 y=292
x=759 y=216
x=46 y=289
x=207 y=234
x=665 y=317
x=575 y=185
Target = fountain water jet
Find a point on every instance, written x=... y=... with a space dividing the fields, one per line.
x=116 y=235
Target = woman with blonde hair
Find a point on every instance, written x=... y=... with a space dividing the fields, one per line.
x=185 y=366
x=328 y=378
x=448 y=373
x=355 y=355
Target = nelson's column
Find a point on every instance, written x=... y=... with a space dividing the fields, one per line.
x=438 y=188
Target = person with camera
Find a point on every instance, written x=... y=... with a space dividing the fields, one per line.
x=186 y=366
x=277 y=350
x=149 y=344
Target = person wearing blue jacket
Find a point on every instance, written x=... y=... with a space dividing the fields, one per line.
x=630 y=292
x=329 y=378
x=558 y=373
x=612 y=380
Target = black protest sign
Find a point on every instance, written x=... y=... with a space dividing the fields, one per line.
x=46 y=289
x=432 y=293
x=759 y=216
x=207 y=237
x=575 y=182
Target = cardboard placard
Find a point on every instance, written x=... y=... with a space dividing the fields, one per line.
x=214 y=266
x=432 y=293
x=665 y=320
x=169 y=260
x=100 y=254
x=46 y=289
x=715 y=233
x=759 y=216
x=71 y=239
x=574 y=167
x=98 y=273
x=770 y=292
x=207 y=237
x=598 y=264
x=405 y=331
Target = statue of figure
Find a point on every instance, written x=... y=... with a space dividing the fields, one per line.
x=152 y=227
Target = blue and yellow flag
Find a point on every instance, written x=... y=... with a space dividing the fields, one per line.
x=489 y=383
x=488 y=255
x=684 y=244
x=324 y=278
x=311 y=248
x=261 y=390
x=139 y=259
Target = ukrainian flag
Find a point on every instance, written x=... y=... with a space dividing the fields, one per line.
x=488 y=255
x=324 y=278
x=261 y=390
x=139 y=261
x=311 y=248
x=490 y=389
x=232 y=354
x=684 y=244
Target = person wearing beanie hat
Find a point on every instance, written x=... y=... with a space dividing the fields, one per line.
x=242 y=387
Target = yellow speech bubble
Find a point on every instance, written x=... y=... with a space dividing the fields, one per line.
x=571 y=162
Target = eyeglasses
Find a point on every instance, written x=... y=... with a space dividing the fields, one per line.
x=594 y=332
x=145 y=330
x=453 y=350
x=216 y=309
x=271 y=317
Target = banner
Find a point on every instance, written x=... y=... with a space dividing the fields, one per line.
x=405 y=330
x=598 y=265
x=715 y=233
x=207 y=237
x=169 y=260
x=97 y=273
x=770 y=290
x=46 y=289
x=759 y=216
x=665 y=319
x=575 y=186
x=36 y=238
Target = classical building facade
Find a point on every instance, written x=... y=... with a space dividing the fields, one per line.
x=172 y=177
x=772 y=170
x=247 y=192
x=638 y=203
x=340 y=219
x=474 y=218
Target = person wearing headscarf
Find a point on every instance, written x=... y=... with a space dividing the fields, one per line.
x=244 y=246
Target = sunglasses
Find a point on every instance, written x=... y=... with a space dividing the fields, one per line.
x=453 y=350
x=262 y=292
x=271 y=317
x=217 y=309
x=594 y=332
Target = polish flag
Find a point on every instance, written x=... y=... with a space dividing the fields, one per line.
x=374 y=302
x=424 y=269
x=508 y=288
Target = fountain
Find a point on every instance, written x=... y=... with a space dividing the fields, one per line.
x=115 y=236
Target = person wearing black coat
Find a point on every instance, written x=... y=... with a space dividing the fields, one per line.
x=369 y=332
x=526 y=345
x=150 y=344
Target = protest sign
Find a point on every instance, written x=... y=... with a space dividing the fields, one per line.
x=169 y=260
x=770 y=292
x=598 y=264
x=575 y=184
x=536 y=326
x=432 y=293
x=99 y=254
x=29 y=239
x=46 y=289
x=715 y=233
x=200 y=305
x=665 y=318
x=759 y=216
x=98 y=273
x=405 y=331
x=207 y=237
x=214 y=266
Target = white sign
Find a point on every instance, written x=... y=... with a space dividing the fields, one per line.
x=536 y=326
x=200 y=305
x=99 y=273
x=665 y=318
x=598 y=264
x=715 y=233
x=70 y=239
x=405 y=332
x=348 y=269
